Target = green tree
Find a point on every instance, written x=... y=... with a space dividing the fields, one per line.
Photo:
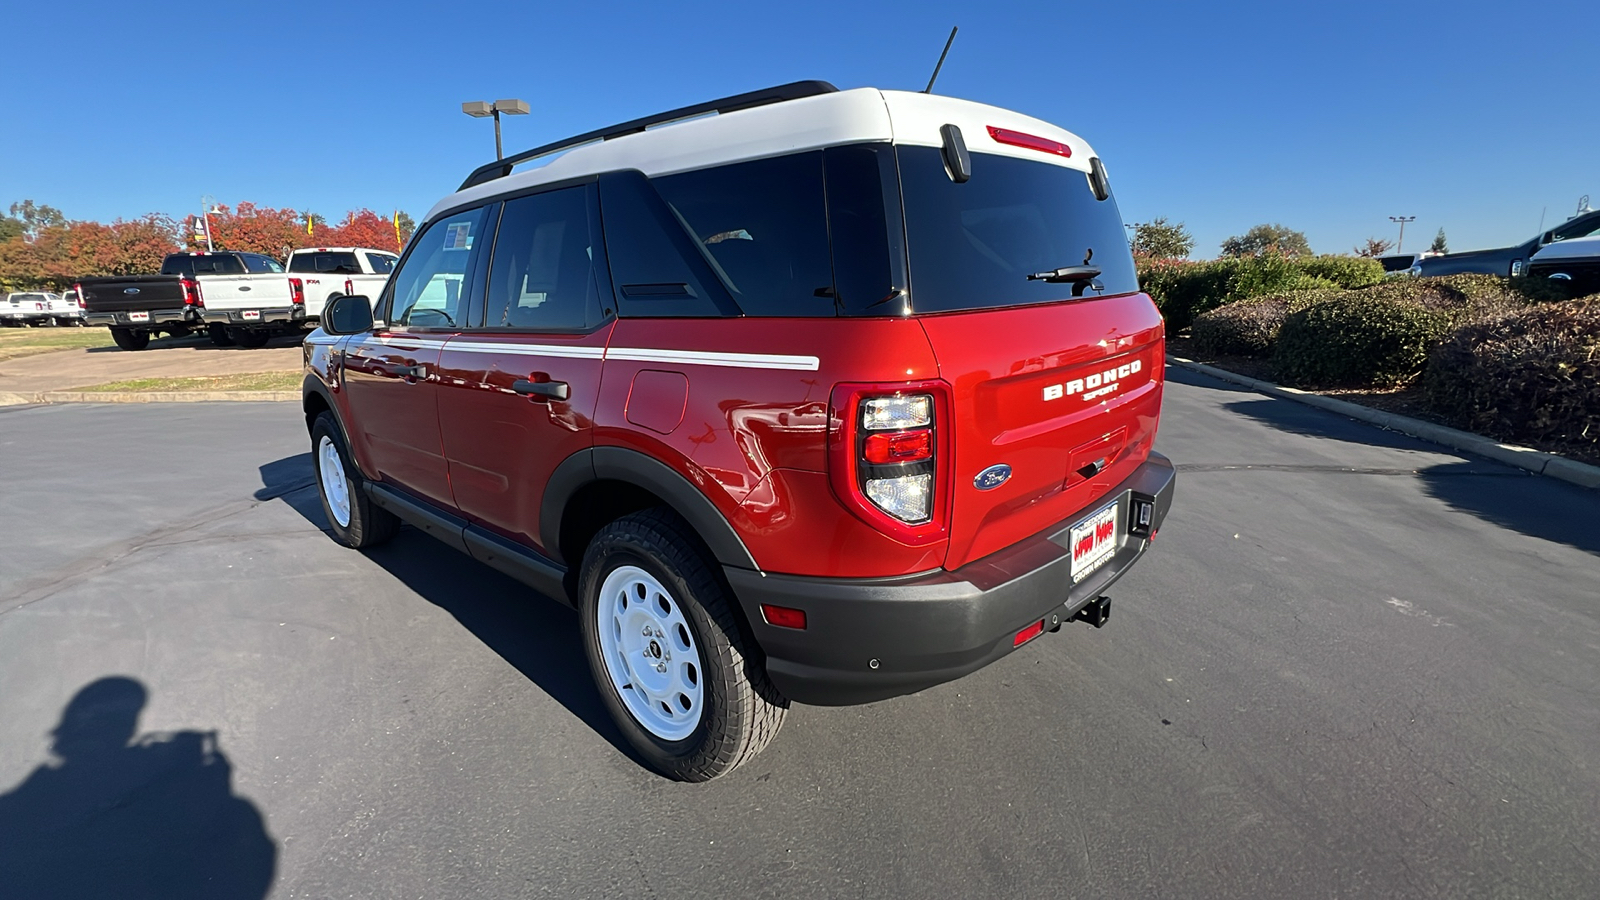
x=1439 y=245
x=9 y=228
x=1267 y=239
x=1160 y=239
x=36 y=217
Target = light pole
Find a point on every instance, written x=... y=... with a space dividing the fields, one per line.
x=1402 y=220
x=479 y=109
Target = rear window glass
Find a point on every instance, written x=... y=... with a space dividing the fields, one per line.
x=764 y=226
x=261 y=265
x=337 y=262
x=221 y=264
x=1396 y=263
x=381 y=263
x=973 y=245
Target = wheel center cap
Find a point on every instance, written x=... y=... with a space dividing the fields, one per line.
x=655 y=650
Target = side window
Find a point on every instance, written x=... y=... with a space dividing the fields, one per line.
x=381 y=263
x=430 y=288
x=656 y=266
x=543 y=273
x=764 y=223
x=258 y=265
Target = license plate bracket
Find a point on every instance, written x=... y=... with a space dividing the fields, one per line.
x=1094 y=540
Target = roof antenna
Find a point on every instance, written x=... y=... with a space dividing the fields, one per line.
x=929 y=88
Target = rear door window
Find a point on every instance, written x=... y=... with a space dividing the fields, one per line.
x=543 y=275
x=972 y=245
x=381 y=263
x=260 y=265
x=764 y=226
x=429 y=290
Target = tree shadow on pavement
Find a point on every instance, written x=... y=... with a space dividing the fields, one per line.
x=537 y=635
x=131 y=816
x=1498 y=494
x=1536 y=506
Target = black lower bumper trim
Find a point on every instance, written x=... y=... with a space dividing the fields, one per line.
x=870 y=639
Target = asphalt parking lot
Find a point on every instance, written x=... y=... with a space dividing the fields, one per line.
x=1354 y=665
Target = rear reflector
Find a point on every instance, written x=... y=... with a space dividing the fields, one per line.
x=783 y=616
x=1028 y=634
x=906 y=446
x=1030 y=141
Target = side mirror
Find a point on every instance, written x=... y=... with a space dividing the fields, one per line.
x=350 y=314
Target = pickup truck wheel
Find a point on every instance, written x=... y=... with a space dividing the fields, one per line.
x=665 y=648
x=131 y=338
x=219 y=335
x=251 y=340
x=355 y=520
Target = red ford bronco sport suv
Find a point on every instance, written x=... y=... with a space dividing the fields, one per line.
x=828 y=397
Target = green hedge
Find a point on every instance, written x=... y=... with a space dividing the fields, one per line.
x=1532 y=374
x=1357 y=340
x=1250 y=327
x=1183 y=289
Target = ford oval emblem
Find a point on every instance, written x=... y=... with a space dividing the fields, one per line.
x=130 y=290
x=992 y=477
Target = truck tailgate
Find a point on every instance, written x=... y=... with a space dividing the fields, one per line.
x=132 y=293
x=228 y=292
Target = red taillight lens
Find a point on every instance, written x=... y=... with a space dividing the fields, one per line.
x=902 y=447
x=297 y=292
x=783 y=616
x=191 y=293
x=1028 y=634
x=77 y=290
x=349 y=286
x=1030 y=141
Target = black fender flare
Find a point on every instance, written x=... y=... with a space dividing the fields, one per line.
x=314 y=385
x=635 y=468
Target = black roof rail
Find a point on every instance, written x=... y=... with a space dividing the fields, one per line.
x=792 y=91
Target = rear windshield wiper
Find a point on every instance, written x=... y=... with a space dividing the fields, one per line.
x=1067 y=275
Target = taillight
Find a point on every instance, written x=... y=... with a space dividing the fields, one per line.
x=1030 y=141
x=297 y=292
x=78 y=290
x=191 y=293
x=349 y=286
x=886 y=449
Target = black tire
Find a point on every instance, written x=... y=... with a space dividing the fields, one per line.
x=250 y=340
x=369 y=524
x=131 y=338
x=741 y=711
x=219 y=335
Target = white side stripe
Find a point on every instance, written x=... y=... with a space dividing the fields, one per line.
x=645 y=354
x=708 y=358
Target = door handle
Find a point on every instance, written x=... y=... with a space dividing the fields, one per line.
x=244 y=287
x=550 y=390
x=407 y=371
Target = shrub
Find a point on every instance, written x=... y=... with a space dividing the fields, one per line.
x=1348 y=272
x=1360 y=339
x=1250 y=327
x=1523 y=375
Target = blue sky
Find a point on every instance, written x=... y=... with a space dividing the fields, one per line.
x=1327 y=117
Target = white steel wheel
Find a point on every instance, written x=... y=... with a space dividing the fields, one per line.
x=335 y=486
x=649 y=652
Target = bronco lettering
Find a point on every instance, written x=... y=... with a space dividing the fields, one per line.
x=1094 y=386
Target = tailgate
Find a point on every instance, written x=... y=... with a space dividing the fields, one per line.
x=1065 y=394
x=265 y=291
x=134 y=293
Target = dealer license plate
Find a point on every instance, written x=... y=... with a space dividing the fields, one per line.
x=1093 y=542
x=252 y=314
x=138 y=317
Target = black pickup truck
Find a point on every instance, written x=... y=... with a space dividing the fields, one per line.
x=139 y=307
x=1506 y=261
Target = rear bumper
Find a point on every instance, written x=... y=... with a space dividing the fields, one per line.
x=120 y=319
x=287 y=315
x=870 y=639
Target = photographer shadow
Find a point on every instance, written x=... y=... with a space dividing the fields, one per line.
x=131 y=816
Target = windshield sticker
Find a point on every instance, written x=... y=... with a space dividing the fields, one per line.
x=458 y=236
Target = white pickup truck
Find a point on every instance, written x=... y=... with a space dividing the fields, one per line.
x=40 y=308
x=324 y=273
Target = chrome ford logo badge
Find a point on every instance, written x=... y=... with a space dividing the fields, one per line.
x=130 y=290
x=992 y=477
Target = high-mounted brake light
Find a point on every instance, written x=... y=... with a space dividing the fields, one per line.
x=297 y=292
x=1030 y=141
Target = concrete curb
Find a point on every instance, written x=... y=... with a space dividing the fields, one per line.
x=147 y=396
x=1526 y=458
